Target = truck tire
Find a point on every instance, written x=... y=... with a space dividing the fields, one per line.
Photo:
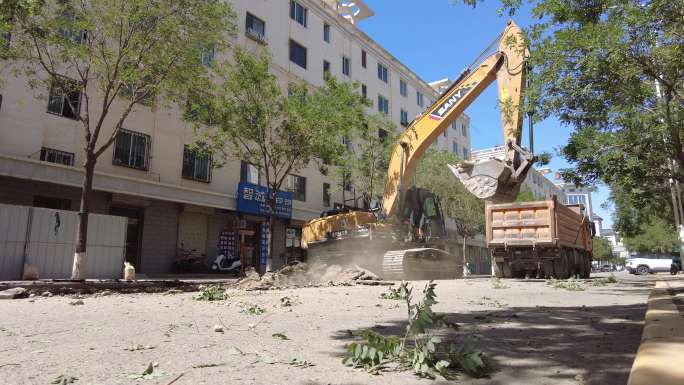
x=643 y=270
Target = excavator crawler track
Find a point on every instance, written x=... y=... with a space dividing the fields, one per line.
x=419 y=263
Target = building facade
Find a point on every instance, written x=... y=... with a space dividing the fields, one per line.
x=580 y=195
x=177 y=203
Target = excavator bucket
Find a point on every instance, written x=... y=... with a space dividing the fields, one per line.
x=494 y=180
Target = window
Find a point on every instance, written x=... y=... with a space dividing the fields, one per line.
x=577 y=199
x=297 y=184
x=297 y=54
x=445 y=133
x=207 y=52
x=298 y=13
x=326 y=32
x=326 y=69
x=454 y=125
x=63 y=95
x=403 y=88
x=454 y=148
x=363 y=58
x=383 y=104
x=326 y=194
x=419 y=99
x=249 y=173
x=464 y=130
x=403 y=117
x=5 y=39
x=383 y=73
x=346 y=140
x=346 y=66
x=196 y=166
x=132 y=149
x=465 y=153
x=51 y=203
x=255 y=28
x=364 y=91
x=56 y=156
x=382 y=134
x=69 y=32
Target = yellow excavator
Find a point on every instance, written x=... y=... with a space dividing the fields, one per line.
x=406 y=237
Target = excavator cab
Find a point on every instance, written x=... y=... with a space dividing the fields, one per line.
x=423 y=213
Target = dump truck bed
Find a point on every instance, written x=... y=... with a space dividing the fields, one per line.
x=545 y=223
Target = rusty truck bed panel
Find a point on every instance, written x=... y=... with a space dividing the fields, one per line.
x=542 y=223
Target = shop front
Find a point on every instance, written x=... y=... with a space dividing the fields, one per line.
x=253 y=232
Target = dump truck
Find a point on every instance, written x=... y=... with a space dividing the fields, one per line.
x=541 y=239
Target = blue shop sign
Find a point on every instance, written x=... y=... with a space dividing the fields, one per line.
x=253 y=199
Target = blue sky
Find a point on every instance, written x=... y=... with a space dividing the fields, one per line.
x=440 y=38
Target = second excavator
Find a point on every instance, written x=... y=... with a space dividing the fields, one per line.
x=406 y=237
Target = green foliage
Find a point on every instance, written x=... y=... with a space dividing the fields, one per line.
x=399 y=293
x=457 y=202
x=418 y=350
x=570 y=284
x=604 y=281
x=64 y=379
x=525 y=195
x=596 y=65
x=498 y=283
x=254 y=310
x=246 y=115
x=656 y=235
x=279 y=336
x=212 y=292
x=148 y=374
x=602 y=249
x=367 y=159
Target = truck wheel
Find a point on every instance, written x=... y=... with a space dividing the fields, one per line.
x=643 y=270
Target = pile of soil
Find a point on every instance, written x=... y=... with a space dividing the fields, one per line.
x=304 y=275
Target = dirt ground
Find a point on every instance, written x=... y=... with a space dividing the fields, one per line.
x=535 y=334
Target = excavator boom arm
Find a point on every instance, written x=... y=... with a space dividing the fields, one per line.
x=507 y=66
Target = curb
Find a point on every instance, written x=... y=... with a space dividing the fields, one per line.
x=658 y=360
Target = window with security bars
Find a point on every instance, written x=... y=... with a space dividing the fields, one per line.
x=196 y=166
x=56 y=156
x=132 y=149
x=65 y=99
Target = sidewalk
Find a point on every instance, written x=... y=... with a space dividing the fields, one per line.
x=661 y=353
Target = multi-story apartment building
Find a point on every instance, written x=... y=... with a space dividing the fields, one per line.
x=579 y=195
x=176 y=201
x=536 y=181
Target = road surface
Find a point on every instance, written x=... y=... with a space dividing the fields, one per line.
x=534 y=334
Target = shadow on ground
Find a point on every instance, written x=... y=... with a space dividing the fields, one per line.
x=546 y=345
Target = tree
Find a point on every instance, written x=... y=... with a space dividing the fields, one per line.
x=252 y=120
x=457 y=202
x=525 y=195
x=365 y=165
x=602 y=250
x=117 y=56
x=612 y=70
x=655 y=235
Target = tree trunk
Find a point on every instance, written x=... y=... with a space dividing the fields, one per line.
x=78 y=269
x=271 y=220
x=466 y=271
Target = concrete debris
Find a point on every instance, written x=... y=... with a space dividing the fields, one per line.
x=218 y=328
x=47 y=294
x=304 y=275
x=16 y=292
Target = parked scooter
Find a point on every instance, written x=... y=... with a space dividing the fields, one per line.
x=225 y=264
